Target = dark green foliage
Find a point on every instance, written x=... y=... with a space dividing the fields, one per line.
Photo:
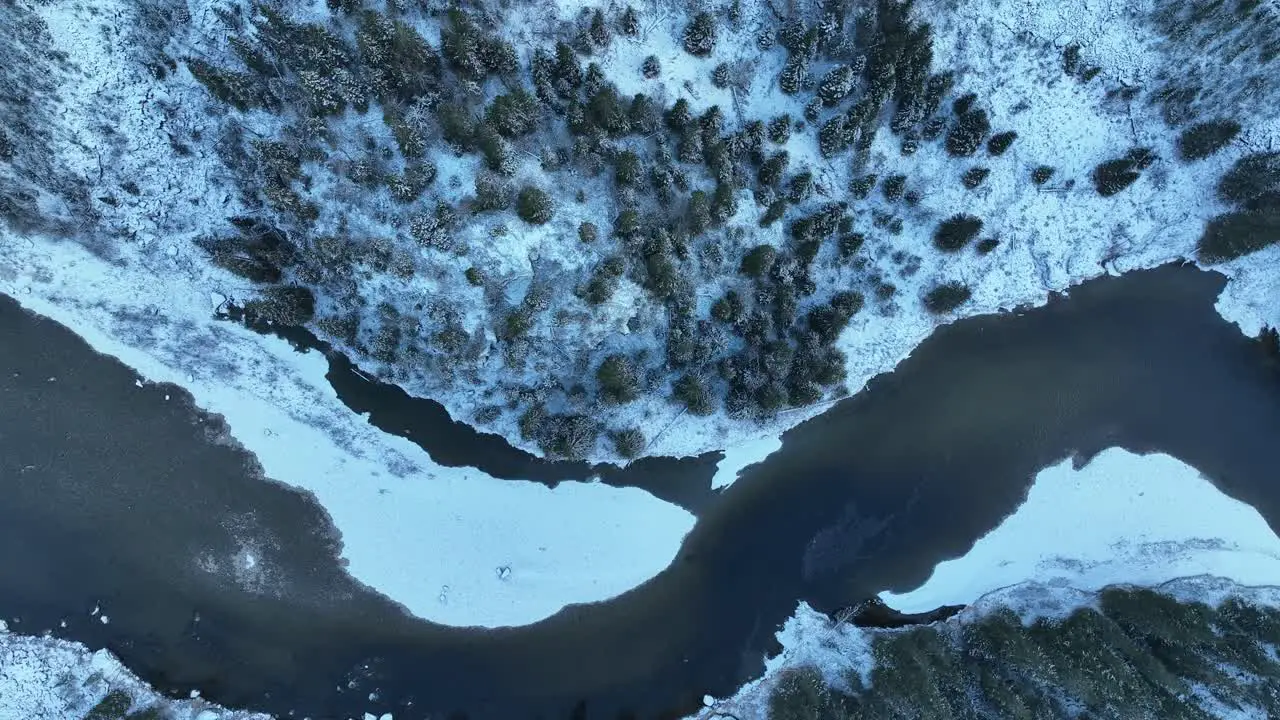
x=533 y=205
x=259 y=253
x=513 y=114
x=1253 y=186
x=1112 y=176
x=851 y=243
x=893 y=186
x=497 y=156
x=598 y=31
x=986 y=245
x=836 y=85
x=651 y=67
x=1204 y=139
x=827 y=321
x=626 y=169
x=604 y=281
x=619 y=381
x=968 y=134
x=692 y=392
x=700 y=35
x=493 y=194
x=1238 y=233
x=759 y=260
x=728 y=309
x=771 y=170
x=801 y=188
x=956 y=232
x=774 y=212
x=627 y=224
x=112 y=707
x=973 y=177
x=629 y=24
x=861 y=186
x=802 y=694
x=472 y=53
x=403 y=67
x=964 y=103
x=724 y=203
x=780 y=129
x=243 y=91
x=1000 y=142
x=1071 y=59
x=793 y=75
x=284 y=304
x=946 y=297
x=587 y=232
x=1251 y=177
x=474 y=276
x=415 y=179
x=1041 y=174
x=720 y=76
x=698 y=216
x=628 y=443
x=567 y=436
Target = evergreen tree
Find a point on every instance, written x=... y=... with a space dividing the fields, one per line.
x=1204 y=139
x=836 y=85
x=534 y=206
x=700 y=35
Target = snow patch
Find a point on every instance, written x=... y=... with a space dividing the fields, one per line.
x=1123 y=518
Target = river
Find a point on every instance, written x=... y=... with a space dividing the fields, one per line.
x=116 y=496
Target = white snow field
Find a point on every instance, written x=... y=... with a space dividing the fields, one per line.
x=1123 y=519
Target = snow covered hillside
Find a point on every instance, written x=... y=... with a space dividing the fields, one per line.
x=611 y=231
x=1052 y=578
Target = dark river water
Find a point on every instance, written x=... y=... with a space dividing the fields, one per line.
x=114 y=495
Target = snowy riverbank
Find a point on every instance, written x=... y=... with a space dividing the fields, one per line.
x=43 y=678
x=1123 y=519
x=453 y=546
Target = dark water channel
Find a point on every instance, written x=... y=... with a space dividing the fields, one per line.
x=112 y=494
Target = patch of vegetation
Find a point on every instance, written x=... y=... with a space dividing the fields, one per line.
x=968 y=133
x=534 y=206
x=957 y=231
x=1041 y=174
x=1252 y=185
x=975 y=176
x=1137 y=654
x=1113 y=176
x=1201 y=140
x=999 y=143
x=947 y=297
x=111 y=707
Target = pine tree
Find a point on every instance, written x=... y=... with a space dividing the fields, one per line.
x=700 y=35
x=630 y=23
x=534 y=206
x=836 y=86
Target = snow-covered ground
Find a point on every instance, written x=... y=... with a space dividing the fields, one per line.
x=453 y=546
x=1123 y=519
x=43 y=678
